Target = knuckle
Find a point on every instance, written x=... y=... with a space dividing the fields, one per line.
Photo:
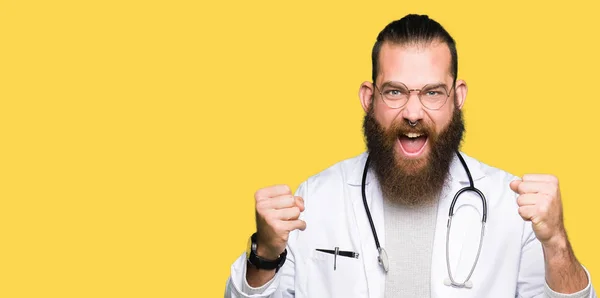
x=281 y=189
x=258 y=195
x=289 y=200
x=282 y=202
x=520 y=201
x=548 y=200
x=260 y=206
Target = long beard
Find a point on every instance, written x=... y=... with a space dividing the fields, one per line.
x=412 y=182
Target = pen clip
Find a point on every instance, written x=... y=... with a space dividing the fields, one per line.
x=337 y=251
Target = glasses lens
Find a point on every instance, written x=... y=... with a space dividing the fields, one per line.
x=434 y=97
x=395 y=95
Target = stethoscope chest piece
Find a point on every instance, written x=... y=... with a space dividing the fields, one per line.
x=467 y=284
x=383 y=259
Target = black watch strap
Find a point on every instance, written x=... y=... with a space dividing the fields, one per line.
x=261 y=263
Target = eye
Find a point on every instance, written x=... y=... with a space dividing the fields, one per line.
x=393 y=93
x=433 y=93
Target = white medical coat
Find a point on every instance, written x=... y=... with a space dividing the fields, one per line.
x=511 y=263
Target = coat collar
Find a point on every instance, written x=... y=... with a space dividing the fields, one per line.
x=457 y=172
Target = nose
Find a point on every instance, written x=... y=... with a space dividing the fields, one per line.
x=413 y=110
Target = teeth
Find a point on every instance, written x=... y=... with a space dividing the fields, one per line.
x=413 y=135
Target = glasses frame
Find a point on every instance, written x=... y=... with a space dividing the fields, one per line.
x=418 y=94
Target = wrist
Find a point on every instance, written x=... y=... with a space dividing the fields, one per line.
x=559 y=254
x=266 y=251
x=556 y=246
x=264 y=259
x=263 y=252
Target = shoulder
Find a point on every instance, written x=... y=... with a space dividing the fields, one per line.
x=347 y=171
x=488 y=173
x=493 y=182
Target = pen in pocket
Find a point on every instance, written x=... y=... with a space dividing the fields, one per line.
x=337 y=252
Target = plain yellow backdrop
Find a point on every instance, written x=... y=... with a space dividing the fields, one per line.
x=133 y=134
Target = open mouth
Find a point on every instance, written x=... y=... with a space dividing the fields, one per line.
x=412 y=143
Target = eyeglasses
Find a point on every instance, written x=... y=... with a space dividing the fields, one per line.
x=396 y=95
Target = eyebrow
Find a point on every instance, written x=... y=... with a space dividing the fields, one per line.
x=436 y=85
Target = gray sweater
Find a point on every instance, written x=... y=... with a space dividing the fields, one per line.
x=409 y=233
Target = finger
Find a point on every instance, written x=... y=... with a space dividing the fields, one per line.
x=273 y=191
x=514 y=185
x=531 y=187
x=528 y=199
x=527 y=212
x=280 y=202
x=540 y=178
x=287 y=213
x=300 y=203
x=295 y=224
x=537 y=187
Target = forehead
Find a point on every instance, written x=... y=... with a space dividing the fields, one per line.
x=415 y=65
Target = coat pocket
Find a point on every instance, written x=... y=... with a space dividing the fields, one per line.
x=336 y=276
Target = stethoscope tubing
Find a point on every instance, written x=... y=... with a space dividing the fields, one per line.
x=471 y=187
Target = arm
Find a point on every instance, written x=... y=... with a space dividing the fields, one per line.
x=540 y=204
x=281 y=285
x=564 y=274
x=247 y=281
x=533 y=280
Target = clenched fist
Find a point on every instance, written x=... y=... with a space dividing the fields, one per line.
x=540 y=202
x=277 y=212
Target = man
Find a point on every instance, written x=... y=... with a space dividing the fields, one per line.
x=377 y=225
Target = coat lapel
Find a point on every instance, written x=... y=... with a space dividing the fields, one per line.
x=375 y=274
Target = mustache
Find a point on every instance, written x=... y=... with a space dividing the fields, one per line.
x=402 y=127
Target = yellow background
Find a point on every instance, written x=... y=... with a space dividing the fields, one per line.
x=133 y=134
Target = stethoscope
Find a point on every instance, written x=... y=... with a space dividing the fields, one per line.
x=382 y=258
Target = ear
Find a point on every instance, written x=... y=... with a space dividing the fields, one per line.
x=365 y=93
x=461 y=93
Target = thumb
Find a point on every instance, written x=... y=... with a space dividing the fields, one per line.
x=299 y=201
x=514 y=185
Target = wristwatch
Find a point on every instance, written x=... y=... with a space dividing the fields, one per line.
x=261 y=263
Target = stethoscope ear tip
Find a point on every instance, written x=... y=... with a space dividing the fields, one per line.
x=468 y=284
x=447 y=281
